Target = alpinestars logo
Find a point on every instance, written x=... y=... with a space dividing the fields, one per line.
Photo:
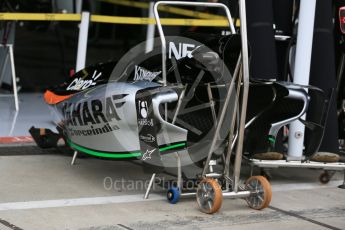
x=147 y=154
x=142 y=74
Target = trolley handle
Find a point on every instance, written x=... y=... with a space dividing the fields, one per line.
x=184 y=3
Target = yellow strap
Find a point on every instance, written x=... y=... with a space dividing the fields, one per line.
x=164 y=21
x=169 y=9
x=40 y=17
x=113 y=19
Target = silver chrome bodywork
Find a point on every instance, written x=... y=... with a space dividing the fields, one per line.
x=124 y=134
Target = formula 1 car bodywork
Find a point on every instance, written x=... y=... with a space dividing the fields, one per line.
x=112 y=114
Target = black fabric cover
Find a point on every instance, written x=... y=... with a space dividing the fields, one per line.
x=322 y=71
x=263 y=62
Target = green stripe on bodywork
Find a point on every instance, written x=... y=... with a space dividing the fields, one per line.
x=101 y=154
x=272 y=139
x=118 y=155
x=172 y=146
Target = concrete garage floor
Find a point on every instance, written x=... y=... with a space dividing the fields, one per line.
x=45 y=192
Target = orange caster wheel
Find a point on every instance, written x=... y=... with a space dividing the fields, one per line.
x=261 y=192
x=209 y=196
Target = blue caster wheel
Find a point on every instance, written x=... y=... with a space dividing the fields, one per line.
x=173 y=195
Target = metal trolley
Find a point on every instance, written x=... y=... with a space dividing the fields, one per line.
x=329 y=169
x=209 y=192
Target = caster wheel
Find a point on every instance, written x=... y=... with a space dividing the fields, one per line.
x=324 y=177
x=209 y=196
x=173 y=195
x=261 y=192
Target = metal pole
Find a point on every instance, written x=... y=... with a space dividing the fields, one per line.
x=233 y=195
x=14 y=121
x=302 y=70
x=232 y=136
x=14 y=78
x=179 y=103
x=79 y=6
x=74 y=157
x=179 y=172
x=220 y=122
x=163 y=40
x=82 y=41
x=212 y=104
x=245 y=67
x=182 y=3
x=146 y=196
x=150 y=32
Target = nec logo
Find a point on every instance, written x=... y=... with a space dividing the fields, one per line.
x=183 y=50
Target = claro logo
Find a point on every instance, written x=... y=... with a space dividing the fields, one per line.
x=80 y=84
x=181 y=51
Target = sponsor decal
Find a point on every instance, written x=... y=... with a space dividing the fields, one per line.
x=147 y=154
x=80 y=84
x=183 y=50
x=147 y=138
x=143 y=108
x=143 y=111
x=146 y=127
x=145 y=122
x=93 y=131
x=93 y=112
x=142 y=74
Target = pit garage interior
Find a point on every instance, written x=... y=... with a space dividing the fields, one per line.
x=123 y=114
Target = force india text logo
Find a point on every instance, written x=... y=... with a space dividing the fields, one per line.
x=142 y=74
x=94 y=112
x=80 y=84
